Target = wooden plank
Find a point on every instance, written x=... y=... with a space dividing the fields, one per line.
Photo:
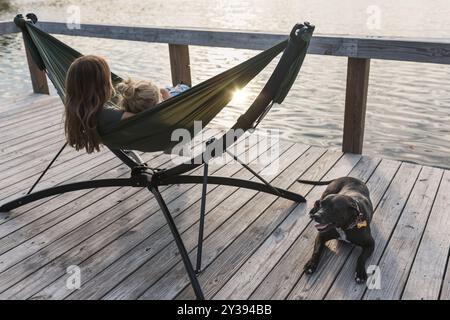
x=24 y=175
x=154 y=244
x=58 y=232
x=17 y=133
x=92 y=245
x=355 y=104
x=20 y=101
x=12 y=154
x=409 y=281
x=129 y=225
x=29 y=128
x=26 y=226
x=18 y=126
x=33 y=105
x=398 y=256
x=15 y=153
x=91 y=173
x=70 y=169
x=428 y=270
x=283 y=277
x=256 y=268
x=386 y=216
x=445 y=291
x=404 y=49
x=36 y=114
x=180 y=64
x=24 y=103
x=389 y=48
x=103 y=258
x=237 y=221
x=95 y=212
x=61 y=171
x=34 y=157
x=60 y=207
x=222 y=260
x=54 y=202
x=158 y=241
x=25 y=145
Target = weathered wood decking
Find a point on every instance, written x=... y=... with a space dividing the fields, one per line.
x=255 y=244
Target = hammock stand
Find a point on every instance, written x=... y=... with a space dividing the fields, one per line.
x=143 y=176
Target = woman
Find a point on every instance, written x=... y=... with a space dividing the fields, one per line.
x=88 y=89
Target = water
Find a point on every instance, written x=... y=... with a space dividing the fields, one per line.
x=408 y=109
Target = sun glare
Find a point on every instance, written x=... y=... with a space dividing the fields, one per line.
x=239 y=96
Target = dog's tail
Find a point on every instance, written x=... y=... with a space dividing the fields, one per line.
x=315 y=183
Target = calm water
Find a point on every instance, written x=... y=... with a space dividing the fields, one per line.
x=408 y=112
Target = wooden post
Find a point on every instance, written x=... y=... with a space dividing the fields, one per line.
x=355 y=104
x=179 y=64
x=38 y=77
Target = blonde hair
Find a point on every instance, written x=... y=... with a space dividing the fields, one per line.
x=88 y=88
x=138 y=95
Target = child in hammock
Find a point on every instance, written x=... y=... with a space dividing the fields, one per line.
x=137 y=96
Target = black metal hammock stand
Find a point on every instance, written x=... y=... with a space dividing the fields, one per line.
x=201 y=102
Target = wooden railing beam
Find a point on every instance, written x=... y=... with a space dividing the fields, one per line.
x=387 y=48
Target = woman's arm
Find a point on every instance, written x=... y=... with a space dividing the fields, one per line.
x=126 y=115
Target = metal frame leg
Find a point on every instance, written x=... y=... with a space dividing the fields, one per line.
x=226 y=181
x=179 y=242
x=70 y=187
x=242 y=163
x=201 y=224
x=46 y=169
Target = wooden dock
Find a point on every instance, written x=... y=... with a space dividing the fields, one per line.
x=255 y=244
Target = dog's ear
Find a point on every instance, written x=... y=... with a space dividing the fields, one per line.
x=315 y=208
x=354 y=204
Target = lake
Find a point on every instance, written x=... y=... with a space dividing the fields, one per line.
x=408 y=109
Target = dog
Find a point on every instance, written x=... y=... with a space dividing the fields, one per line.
x=343 y=212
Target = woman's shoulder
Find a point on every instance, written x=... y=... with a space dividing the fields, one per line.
x=109 y=114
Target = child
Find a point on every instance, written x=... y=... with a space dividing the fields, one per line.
x=88 y=89
x=140 y=95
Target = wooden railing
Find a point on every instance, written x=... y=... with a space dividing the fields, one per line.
x=359 y=51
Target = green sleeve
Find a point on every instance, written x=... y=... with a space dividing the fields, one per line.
x=109 y=115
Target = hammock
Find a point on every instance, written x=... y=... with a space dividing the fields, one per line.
x=151 y=129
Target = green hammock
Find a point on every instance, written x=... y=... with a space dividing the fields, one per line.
x=151 y=129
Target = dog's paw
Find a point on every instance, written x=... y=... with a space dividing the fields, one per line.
x=360 y=276
x=310 y=267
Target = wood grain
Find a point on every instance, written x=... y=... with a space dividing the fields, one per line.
x=355 y=104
